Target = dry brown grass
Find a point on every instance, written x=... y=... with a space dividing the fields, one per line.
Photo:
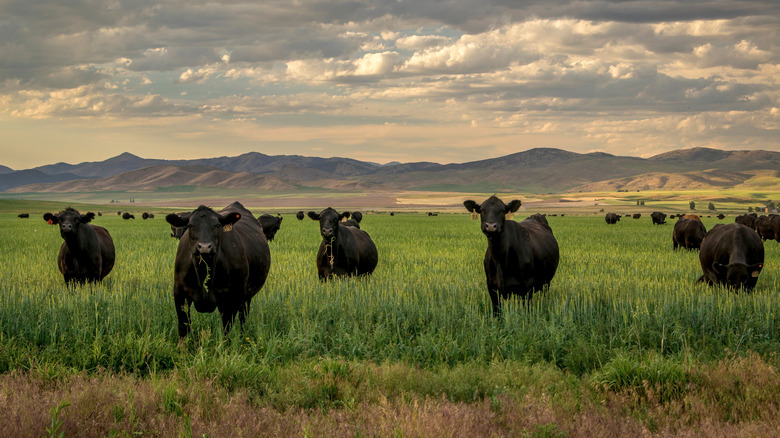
x=735 y=397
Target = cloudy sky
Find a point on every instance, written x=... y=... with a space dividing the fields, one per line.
x=384 y=80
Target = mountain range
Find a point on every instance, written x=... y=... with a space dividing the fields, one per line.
x=540 y=170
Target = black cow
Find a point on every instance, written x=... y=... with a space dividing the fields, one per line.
x=721 y=216
x=538 y=217
x=658 y=218
x=611 y=218
x=748 y=220
x=732 y=255
x=87 y=253
x=127 y=215
x=24 y=215
x=146 y=216
x=271 y=225
x=688 y=233
x=768 y=227
x=521 y=257
x=352 y=219
x=300 y=215
x=222 y=261
x=636 y=215
x=344 y=250
x=392 y=213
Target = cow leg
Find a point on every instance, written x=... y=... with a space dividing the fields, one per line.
x=493 y=285
x=182 y=314
x=242 y=311
x=228 y=315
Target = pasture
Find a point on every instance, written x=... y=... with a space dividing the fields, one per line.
x=622 y=320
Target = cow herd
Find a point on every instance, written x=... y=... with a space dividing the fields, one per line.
x=223 y=257
x=731 y=255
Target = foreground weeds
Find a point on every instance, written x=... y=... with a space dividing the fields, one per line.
x=738 y=396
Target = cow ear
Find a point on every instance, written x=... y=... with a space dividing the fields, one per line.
x=344 y=216
x=178 y=220
x=472 y=206
x=513 y=206
x=229 y=218
x=280 y=219
x=87 y=217
x=314 y=216
x=51 y=218
x=719 y=268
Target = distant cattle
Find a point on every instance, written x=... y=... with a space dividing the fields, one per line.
x=748 y=220
x=732 y=255
x=768 y=227
x=430 y=213
x=521 y=257
x=672 y=216
x=611 y=218
x=271 y=225
x=146 y=216
x=688 y=233
x=119 y=213
x=344 y=250
x=100 y=214
x=538 y=217
x=23 y=215
x=392 y=213
x=87 y=253
x=636 y=215
x=300 y=215
x=658 y=218
x=222 y=261
x=127 y=215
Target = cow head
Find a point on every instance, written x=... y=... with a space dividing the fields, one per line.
x=69 y=221
x=492 y=213
x=204 y=227
x=737 y=274
x=329 y=221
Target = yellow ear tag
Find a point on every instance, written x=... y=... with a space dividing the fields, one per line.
x=509 y=216
x=228 y=227
x=755 y=274
x=474 y=216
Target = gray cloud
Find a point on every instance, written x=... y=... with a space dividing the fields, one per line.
x=526 y=66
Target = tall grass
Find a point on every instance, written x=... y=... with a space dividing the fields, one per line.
x=620 y=291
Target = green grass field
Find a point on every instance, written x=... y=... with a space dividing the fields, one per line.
x=623 y=318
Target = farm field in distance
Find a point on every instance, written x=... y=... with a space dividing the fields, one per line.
x=624 y=341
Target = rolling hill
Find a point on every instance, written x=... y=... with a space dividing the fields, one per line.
x=540 y=170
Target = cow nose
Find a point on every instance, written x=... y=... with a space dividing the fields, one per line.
x=490 y=227
x=327 y=232
x=205 y=247
x=66 y=228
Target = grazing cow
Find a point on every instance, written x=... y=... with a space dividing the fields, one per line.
x=721 y=216
x=611 y=218
x=732 y=255
x=658 y=218
x=748 y=220
x=521 y=257
x=392 y=213
x=672 y=216
x=119 y=213
x=768 y=227
x=146 y=216
x=222 y=261
x=271 y=225
x=636 y=215
x=688 y=233
x=24 y=215
x=87 y=253
x=127 y=215
x=344 y=250
x=300 y=215
x=100 y=214
x=538 y=217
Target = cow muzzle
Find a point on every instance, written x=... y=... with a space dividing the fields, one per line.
x=327 y=233
x=205 y=247
x=490 y=227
